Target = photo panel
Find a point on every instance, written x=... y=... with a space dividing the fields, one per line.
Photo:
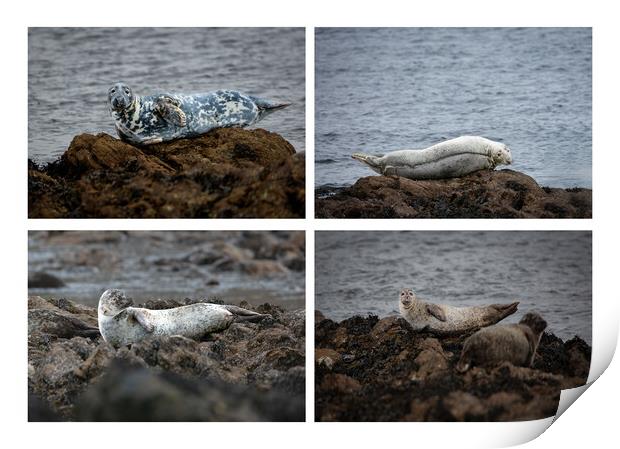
x=453 y=122
x=166 y=326
x=166 y=122
x=450 y=325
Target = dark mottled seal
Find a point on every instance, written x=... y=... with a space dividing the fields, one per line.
x=164 y=117
x=442 y=319
x=121 y=324
x=514 y=343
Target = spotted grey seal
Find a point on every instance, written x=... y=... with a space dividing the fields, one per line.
x=514 y=343
x=121 y=324
x=449 y=159
x=442 y=319
x=164 y=117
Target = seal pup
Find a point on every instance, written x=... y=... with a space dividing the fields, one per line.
x=442 y=319
x=163 y=117
x=449 y=159
x=121 y=324
x=514 y=343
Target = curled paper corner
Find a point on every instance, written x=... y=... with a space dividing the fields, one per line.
x=567 y=397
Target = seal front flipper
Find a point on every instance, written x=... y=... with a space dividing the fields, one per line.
x=143 y=319
x=436 y=311
x=168 y=109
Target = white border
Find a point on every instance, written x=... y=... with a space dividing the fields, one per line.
x=600 y=401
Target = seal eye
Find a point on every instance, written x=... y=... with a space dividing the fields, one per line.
x=127 y=91
x=112 y=91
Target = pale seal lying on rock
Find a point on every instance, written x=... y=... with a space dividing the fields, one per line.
x=448 y=320
x=514 y=343
x=164 y=117
x=450 y=159
x=121 y=324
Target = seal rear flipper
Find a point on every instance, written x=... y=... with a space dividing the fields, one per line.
x=371 y=161
x=242 y=314
x=505 y=309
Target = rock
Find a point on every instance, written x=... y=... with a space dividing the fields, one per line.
x=129 y=393
x=387 y=372
x=228 y=172
x=44 y=280
x=483 y=194
x=327 y=357
x=340 y=383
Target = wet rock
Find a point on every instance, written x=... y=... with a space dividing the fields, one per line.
x=129 y=393
x=228 y=172
x=397 y=374
x=44 y=280
x=249 y=371
x=483 y=194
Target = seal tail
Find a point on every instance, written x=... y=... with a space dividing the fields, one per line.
x=371 y=161
x=505 y=309
x=242 y=314
x=266 y=107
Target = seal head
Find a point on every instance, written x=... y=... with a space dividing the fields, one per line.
x=120 y=97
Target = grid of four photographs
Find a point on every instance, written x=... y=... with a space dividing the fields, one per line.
x=135 y=324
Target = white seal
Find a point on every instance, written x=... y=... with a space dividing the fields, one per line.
x=449 y=159
x=121 y=324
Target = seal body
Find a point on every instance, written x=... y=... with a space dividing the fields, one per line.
x=442 y=319
x=164 y=117
x=449 y=159
x=120 y=323
x=514 y=343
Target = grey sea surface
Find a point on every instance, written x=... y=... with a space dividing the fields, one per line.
x=361 y=273
x=387 y=89
x=155 y=264
x=71 y=69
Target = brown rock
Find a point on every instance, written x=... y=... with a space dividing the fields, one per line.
x=483 y=194
x=326 y=357
x=340 y=383
x=464 y=406
x=228 y=172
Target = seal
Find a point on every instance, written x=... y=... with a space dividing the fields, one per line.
x=449 y=159
x=164 y=117
x=442 y=319
x=514 y=343
x=121 y=324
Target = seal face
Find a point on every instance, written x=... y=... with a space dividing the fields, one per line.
x=449 y=159
x=120 y=323
x=515 y=343
x=164 y=117
x=443 y=319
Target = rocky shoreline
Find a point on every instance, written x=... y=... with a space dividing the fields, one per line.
x=371 y=369
x=249 y=372
x=483 y=194
x=228 y=172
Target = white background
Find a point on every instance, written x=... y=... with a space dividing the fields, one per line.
x=592 y=420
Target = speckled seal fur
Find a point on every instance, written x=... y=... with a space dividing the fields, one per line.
x=120 y=323
x=164 y=117
x=448 y=320
x=450 y=159
x=514 y=343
